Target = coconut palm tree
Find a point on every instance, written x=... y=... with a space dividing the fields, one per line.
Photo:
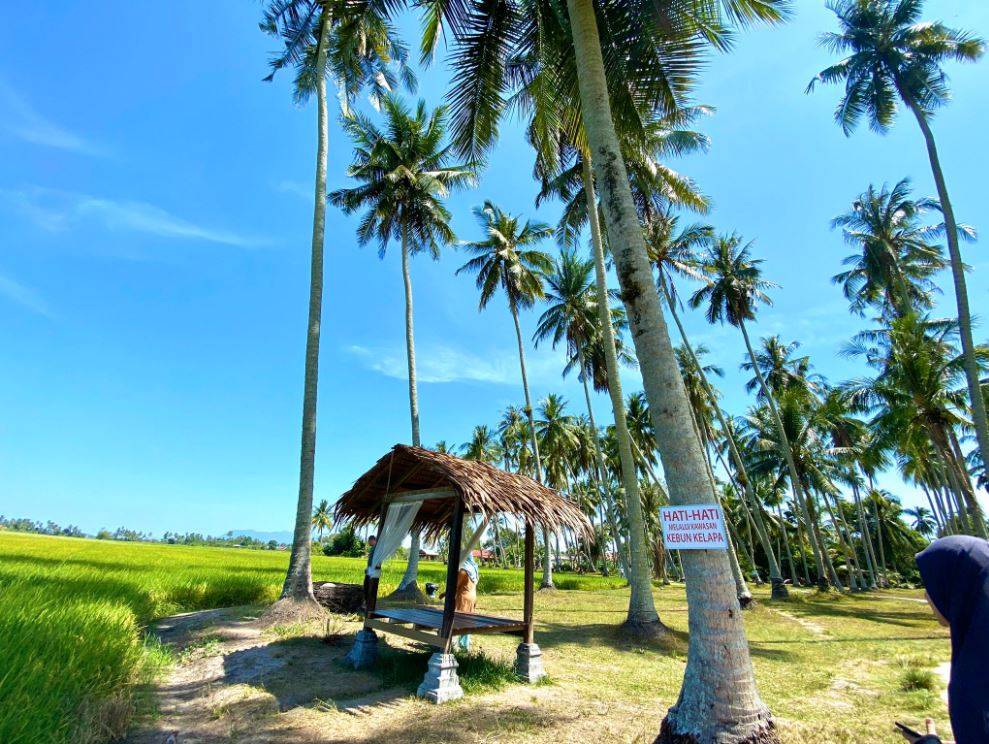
x=405 y=172
x=894 y=56
x=483 y=446
x=507 y=259
x=814 y=462
x=735 y=286
x=673 y=252
x=914 y=394
x=358 y=49
x=895 y=258
x=780 y=369
x=558 y=441
x=653 y=50
x=922 y=520
x=321 y=520
x=574 y=315
x=567 y=175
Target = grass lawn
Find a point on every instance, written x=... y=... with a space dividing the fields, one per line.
x=72 y=613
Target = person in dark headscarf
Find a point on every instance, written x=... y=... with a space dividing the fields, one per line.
x=955 y=571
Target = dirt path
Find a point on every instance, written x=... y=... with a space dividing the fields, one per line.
x=813 y=627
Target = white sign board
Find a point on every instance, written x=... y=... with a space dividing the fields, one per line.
x=693 y=527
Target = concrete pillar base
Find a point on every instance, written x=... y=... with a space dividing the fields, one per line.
x=441 y=683
x=529 y=663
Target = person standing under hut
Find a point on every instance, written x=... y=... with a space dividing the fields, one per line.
x=465 y=600
x=955 y=571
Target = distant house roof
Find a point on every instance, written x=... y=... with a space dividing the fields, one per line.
x=484 y=554
x=483 y=488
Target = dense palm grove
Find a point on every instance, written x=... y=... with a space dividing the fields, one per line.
x=605 y=91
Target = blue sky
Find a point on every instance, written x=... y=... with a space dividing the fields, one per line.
x=155 y=207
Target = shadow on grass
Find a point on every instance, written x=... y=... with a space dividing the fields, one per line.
x=850 y=608
x=858 y=639
x=613 y=635
x=305 y=671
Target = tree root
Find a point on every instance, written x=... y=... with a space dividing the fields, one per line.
x=779 y=590
x=762 y=733
x=290 y=610
x=643 y=630
x=412 y=593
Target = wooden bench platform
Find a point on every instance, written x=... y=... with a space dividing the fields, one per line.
x=420 y=618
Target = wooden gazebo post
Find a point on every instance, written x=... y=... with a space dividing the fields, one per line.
x=441 y=683
x=364 y=653
x=528 y=656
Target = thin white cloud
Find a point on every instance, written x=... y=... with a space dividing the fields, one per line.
x=295 y=188
x=23 y=296
x=59 y=210
x=439 y=364
x=21 y=120
x=442 y=363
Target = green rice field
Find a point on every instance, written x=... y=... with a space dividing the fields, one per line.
x=72 y=613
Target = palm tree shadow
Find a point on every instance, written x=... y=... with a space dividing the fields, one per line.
x=550 y=635
x=903 y=618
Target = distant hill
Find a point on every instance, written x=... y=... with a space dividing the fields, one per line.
x=280 y=537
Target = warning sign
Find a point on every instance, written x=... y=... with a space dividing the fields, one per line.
x=694 y=527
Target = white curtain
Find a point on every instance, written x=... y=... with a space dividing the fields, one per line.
x=398 y=519
x=474 y=540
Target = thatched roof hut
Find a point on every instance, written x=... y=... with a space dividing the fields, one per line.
x=483 y=489
x=415 y=488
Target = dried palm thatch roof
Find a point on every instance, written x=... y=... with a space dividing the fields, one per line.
x=484 y=489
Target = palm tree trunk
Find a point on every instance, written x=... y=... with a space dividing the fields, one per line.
x=775 y=577
x=547 y=579
x=786 y=545
x=979 y=418
x=602 y=470
x=741 y=587
x=800 y=545
x=843 y=542
x=816 y=527
x=959 y=477
x=409 y=582
x=298 y=579
x=884 y=580
x=410 y=344
x=870 y=555
x=718 y=699
x=642 y=615
x=796 y=484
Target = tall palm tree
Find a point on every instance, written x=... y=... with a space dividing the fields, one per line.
x=914 y=394
x=782 y=371
x=321 y=520
x=483 y=446
x=673 y=252
x=922 y=520
x=735 y=285
x=405 y=172
x=653 y=52
x=893 y=55
x=574 y=314
x=895 y=258
x=507 y=259
x=564 y=165
x=358 y=49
